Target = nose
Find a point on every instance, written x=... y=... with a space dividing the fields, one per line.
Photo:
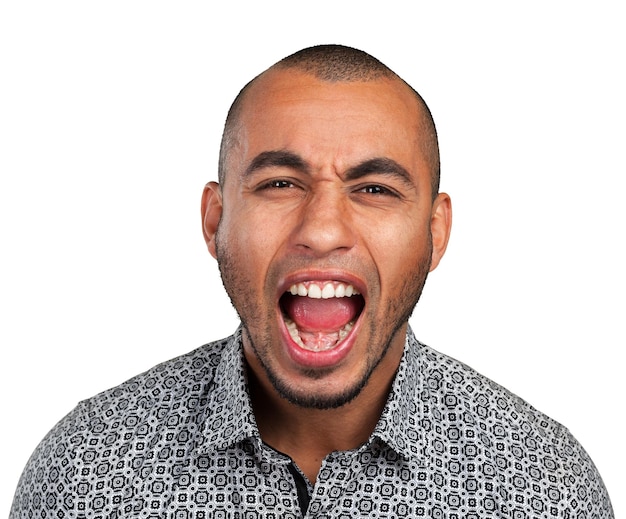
x=325 y=223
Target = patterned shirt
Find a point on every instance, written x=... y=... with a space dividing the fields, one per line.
x=180 y=441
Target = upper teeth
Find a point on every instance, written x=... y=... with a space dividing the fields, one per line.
x=322 y=291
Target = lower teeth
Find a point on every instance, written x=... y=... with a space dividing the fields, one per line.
x=324 y=342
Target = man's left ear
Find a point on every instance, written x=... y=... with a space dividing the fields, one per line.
x=211 y=209
x=440 y=225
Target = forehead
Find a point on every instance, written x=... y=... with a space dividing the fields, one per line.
x=329 y=122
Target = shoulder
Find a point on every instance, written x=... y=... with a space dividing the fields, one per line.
x=453 y=384
x=112 y=423
x=177 y=379
x=535 y=459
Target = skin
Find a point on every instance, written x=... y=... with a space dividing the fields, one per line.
x=311 y=217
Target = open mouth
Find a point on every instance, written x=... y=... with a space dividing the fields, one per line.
x=320 y=314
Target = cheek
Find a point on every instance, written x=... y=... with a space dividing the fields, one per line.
x=398 y=249
x=252 y=237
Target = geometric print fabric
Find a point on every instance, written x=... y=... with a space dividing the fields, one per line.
x=180 y=441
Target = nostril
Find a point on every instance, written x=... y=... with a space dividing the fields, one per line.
x=325 y=236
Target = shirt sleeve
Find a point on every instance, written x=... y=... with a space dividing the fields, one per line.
x=584 y=493
x=47 y=486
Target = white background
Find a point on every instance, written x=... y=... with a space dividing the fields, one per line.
x=110 y=118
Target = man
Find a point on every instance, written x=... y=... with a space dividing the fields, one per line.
x=325 y=223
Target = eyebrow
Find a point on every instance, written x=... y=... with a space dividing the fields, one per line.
x=288 y=159
x=380 y=165
x=277 y=159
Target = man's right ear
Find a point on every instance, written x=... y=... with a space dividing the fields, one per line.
x=211 y=209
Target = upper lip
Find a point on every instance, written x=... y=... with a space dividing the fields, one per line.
x=322 y=275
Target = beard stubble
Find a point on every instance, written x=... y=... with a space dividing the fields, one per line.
x=382 y=331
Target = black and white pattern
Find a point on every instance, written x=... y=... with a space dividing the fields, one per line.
x=180 y=441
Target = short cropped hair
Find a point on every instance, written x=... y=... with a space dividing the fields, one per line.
x=338 y=63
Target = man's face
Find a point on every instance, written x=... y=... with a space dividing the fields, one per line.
x=326 y=232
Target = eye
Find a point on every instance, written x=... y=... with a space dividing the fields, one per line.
x=277 y=184
x=375 y=189
x=278 y=189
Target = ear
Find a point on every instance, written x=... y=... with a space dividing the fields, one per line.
x=440 y=225
x=211 y=209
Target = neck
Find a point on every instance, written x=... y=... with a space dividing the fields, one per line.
x=343 y=428
x=309 y=435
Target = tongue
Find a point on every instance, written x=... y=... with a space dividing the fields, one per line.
x=321 y=315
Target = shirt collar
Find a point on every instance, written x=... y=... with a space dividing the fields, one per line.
x=401 y=425
x=231 y=420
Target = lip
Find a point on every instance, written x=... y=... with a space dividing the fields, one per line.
x=327 y=358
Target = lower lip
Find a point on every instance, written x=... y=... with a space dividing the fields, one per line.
x=318 y=359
